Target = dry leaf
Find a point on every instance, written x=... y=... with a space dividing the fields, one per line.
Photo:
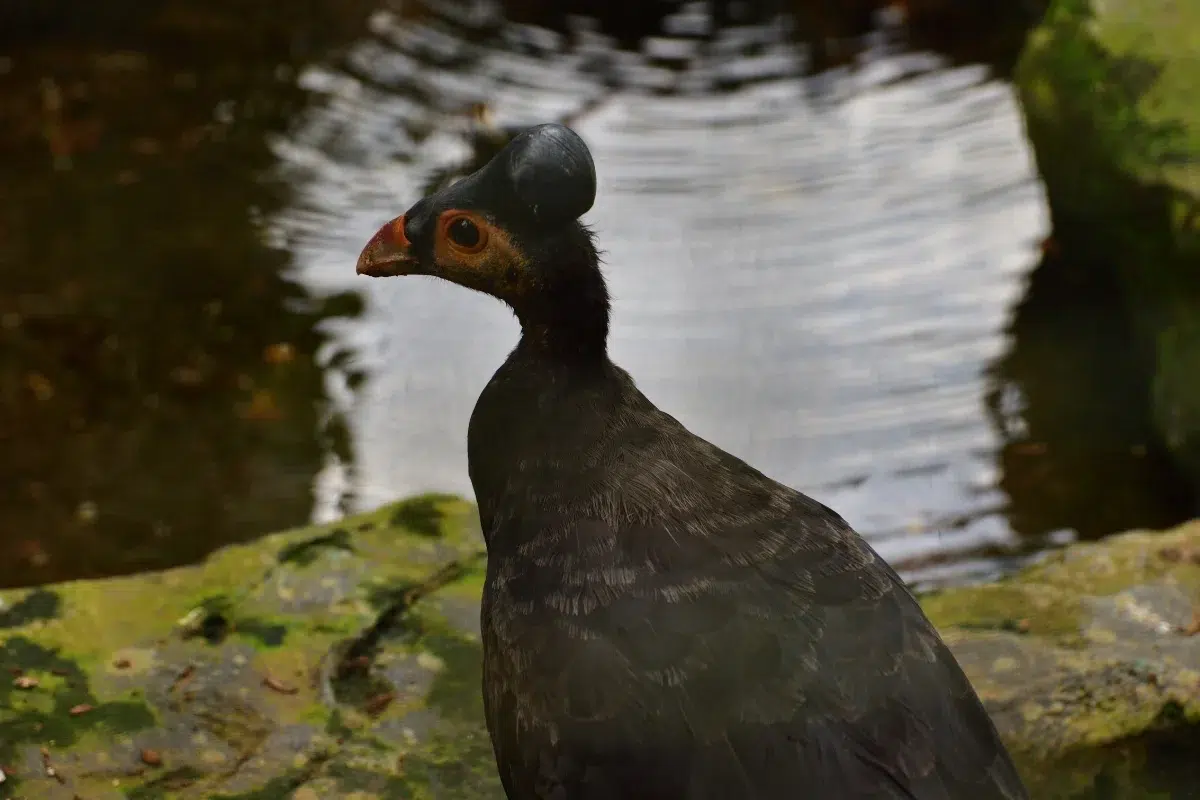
x=379 y=702
x=276 y=685
x=40 y=385
x=279 y=353
x=262 y=407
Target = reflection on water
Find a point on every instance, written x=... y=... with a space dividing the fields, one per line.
x=816 y=273
x=1071 y=396
x=158 y=390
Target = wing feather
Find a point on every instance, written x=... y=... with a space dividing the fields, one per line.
x=750 y=665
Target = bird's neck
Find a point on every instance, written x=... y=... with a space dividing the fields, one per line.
x=555 y=398
x=542 y=415
x=569 y=340
x=567 y=321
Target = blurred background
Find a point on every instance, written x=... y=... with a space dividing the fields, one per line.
x=828 y=244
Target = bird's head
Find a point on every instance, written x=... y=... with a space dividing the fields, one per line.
x=511 y=229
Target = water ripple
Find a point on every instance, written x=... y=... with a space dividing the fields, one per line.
x=815 y=281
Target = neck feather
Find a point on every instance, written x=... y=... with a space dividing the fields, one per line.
x=569 y=318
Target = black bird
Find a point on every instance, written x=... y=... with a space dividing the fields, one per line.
x=661 y=621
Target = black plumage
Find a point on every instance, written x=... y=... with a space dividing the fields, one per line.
x=661 y=620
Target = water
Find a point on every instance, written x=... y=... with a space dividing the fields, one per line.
x=827 y=276
x=813 y=275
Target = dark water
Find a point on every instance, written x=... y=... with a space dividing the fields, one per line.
x=836 y=277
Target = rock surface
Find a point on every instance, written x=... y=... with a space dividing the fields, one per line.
x=218 y=681
x=215 y=681
x=1111 y=95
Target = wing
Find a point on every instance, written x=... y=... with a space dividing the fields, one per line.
x=658 y=661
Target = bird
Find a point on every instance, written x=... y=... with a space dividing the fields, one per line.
x=661 y=620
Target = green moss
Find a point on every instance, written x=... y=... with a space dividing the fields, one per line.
x=1120 y=563
x=290 y=600
x=470 y=585
x=32 y=606
x=203 y=642
x=305 y=551
x=1045 y=600
x=424 y=514
x=1108 y=774
x=459 y=765
x=1110 y=94
x=262 y=632
x=164 y=783
x=1034 y=609
x=455 y=692
x=43 y=715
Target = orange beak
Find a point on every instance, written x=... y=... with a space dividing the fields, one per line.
x=388 y=253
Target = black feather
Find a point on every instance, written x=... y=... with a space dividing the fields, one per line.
x=660 y=620
x=551 y=173
x=543 y=179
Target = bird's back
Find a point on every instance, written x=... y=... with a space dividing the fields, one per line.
x=663 y=621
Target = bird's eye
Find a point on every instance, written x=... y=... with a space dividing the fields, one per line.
x=464 y=233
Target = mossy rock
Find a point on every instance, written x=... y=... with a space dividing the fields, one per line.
x=214 y=681
x=1111 y=96
x=1089 y=663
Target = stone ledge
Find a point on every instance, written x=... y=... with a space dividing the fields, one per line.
x=211 y=681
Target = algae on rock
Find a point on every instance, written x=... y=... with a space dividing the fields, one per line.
x=1085 y=663
x=207 y=681
x=213 y=681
